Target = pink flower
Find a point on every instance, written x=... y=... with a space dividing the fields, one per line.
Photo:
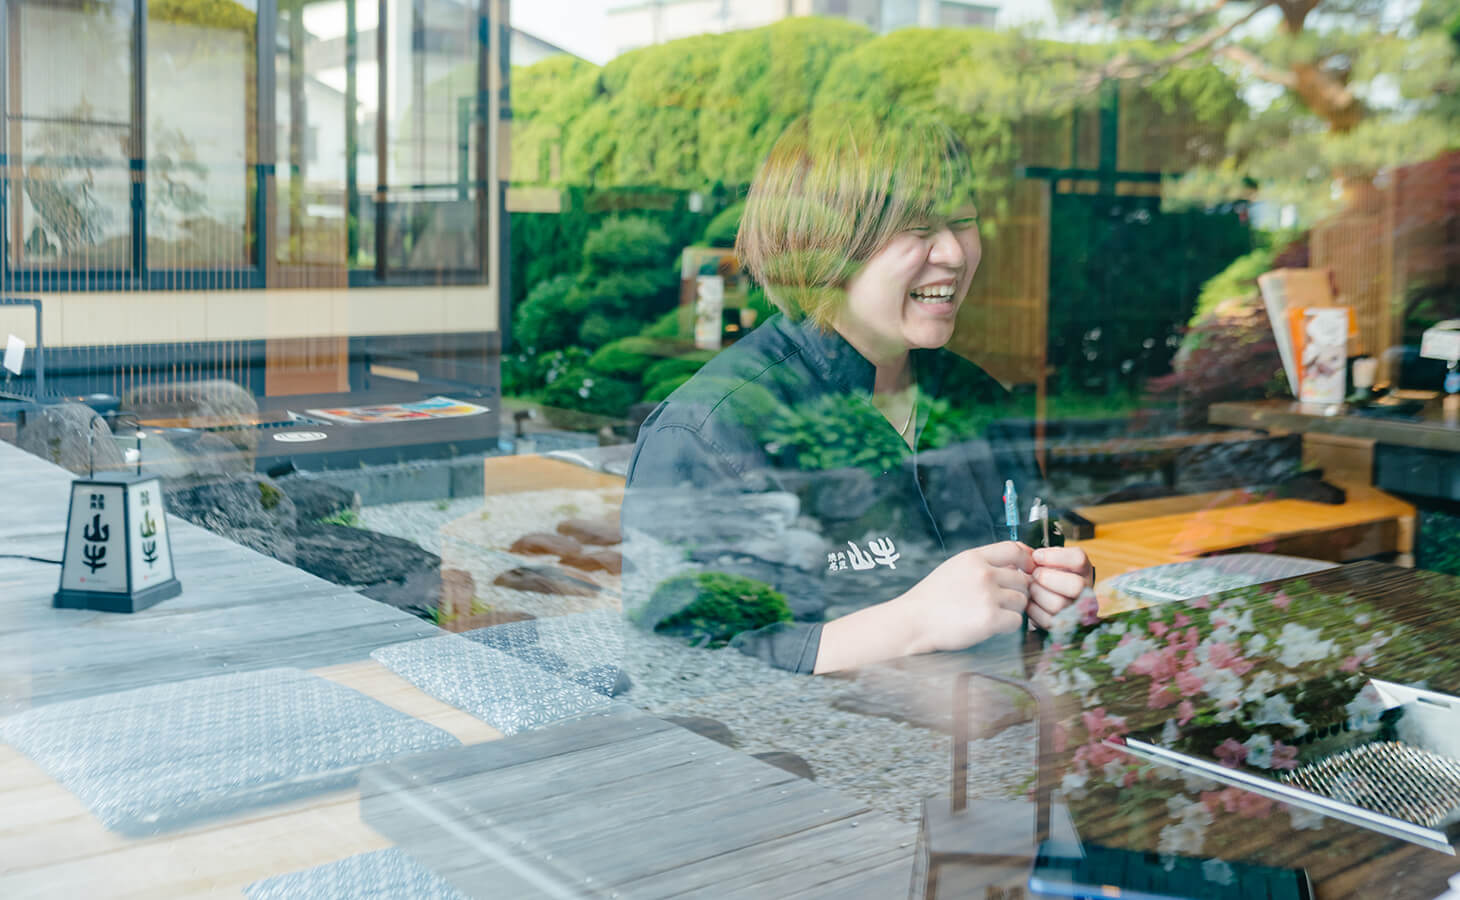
x=1234 y=800
x=1189 y=683
x=1161 y=695
x=1089 y=607
x=1351 y=664
x=1158 y=628
x=1230 y=753
x=1201 y=603
x=1158 y=664
x=1184 y=712
x=1281 y=600
x=1182 y=620
x=1284 y=756
x=1101 y=726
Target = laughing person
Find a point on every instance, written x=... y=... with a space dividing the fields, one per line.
x=867 y=246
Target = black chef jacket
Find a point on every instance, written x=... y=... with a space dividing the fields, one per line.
x=708 y=482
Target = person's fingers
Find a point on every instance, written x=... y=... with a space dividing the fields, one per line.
x=1012 y=600
x=1071 y=559
x=1047 y=600
x=1007 y=620
x=1060 y=581
x=1010 y=578
x=1040 y=616
x=1008 y=553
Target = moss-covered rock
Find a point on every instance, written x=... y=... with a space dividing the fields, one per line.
x=710 y=608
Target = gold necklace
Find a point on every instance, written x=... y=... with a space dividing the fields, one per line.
x=911 y=413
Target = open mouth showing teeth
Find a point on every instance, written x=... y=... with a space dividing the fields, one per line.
x=934 y=294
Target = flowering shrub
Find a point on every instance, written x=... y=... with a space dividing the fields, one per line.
x=1256 y=678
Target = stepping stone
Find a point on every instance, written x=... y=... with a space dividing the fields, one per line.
x=545 y=580
x=610 y=561
x=542 y=544
x=604 y=532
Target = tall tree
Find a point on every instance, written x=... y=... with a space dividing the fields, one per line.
x=1341 y=88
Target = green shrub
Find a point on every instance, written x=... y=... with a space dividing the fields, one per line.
x=627 y=358
x=712 y=607
x=680 y=367
x=659 y=391
x=722 y=229
x=546 y=320
x=585 y=391
x=833 y=432
x=624 y=244
x=676 y=324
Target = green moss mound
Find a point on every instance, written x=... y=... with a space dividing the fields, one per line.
x=710 y=608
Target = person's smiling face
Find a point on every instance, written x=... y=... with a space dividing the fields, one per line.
x=907 y=294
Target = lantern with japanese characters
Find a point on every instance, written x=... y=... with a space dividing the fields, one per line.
x=118 y=557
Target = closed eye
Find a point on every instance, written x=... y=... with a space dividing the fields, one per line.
x=963 y=223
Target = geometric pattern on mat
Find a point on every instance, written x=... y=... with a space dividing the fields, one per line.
x=168 y=755
x=585 y=647
x=496 y=687
x=382 y=875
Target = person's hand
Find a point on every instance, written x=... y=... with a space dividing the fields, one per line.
x=970 y=597
x=1060 y=574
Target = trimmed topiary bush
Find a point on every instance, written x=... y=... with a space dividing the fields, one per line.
x=586 y=391
x=679 y=367
x=659 y=391
x=546 y=320
x=628 y=358
x=710 y=608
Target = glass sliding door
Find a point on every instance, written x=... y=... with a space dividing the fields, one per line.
x=70 y=134
x=202 y=123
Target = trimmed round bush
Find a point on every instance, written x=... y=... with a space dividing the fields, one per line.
x=659 y=391
x=710 y=608
x=627 y=358
x=587 y=391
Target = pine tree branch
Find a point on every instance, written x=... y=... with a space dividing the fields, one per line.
x=1258 y=67
x=1122 y=67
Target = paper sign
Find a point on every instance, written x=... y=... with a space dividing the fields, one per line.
x=14 y=354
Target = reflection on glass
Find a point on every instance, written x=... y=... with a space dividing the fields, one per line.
x=201 y=106
x=70 y=118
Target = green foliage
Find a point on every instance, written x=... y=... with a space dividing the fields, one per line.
x=722 y=229
x=624 y=244
x=1237 y=281
x=546 y=321
x=660 y=390
x=675 y=324
x=710 y=608
x=685 y=365
x=585 y=391
x=833 y=432
x=526 y=373
x=269 y=495
x=347 y=517
x=627 y=358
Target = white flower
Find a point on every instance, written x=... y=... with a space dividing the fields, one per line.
x=1256 y=644
x=1064 y=625
x=1170 y=733
x=1262 y=684
x=1302 y=645
x=1361 y=619
x=1304 y=819
x=1259 y=751
x=1187 y=835
x=1121 y=657
x=1073 y=784
x=1219 y=871
x=1276 y=710
x=1364 y=710
x=1088 y=646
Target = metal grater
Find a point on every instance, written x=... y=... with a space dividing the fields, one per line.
x=1387 y=777
x=1403 y=780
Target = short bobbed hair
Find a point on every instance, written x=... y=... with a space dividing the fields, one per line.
x=828 y=197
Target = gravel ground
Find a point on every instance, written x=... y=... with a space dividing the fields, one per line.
x=889 y=765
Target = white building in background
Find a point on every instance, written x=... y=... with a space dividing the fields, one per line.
x=645 y=22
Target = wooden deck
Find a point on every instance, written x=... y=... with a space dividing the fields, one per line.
x=239 y=611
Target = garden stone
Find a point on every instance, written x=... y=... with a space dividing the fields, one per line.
x=355 y=556
x=790 y=762
x=68 y=434
x=187 y=455
x=723 y=519
x=610 y=561
x=796 y=547
x=704 y=726
x=597 y=531
x=428 y=593
x=540 y=544
x=841 y=494
x=317 y=499
x=610 y=681
x=216 y=403
x=248 y=509
x=545 y=580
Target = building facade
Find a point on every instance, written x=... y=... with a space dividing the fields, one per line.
x=297 y=196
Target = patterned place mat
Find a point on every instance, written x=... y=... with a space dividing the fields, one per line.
x=495 y=686
x=382 y=875
x=585 y=648
x=165 y=756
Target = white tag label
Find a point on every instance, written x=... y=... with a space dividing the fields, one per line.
x=14 y=354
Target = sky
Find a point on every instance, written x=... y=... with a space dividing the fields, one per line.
x=579 y=25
